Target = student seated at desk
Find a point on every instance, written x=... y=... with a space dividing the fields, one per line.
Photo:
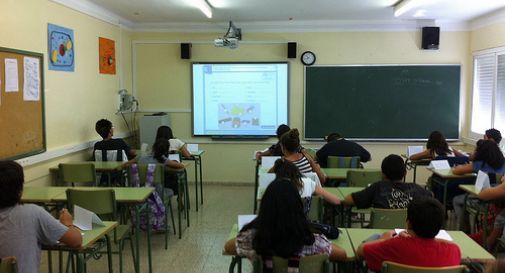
x=275 y=150
x=338 y=146
x=159 y=155
x=306 y=186
x=175 y=144
x=25 y=227
x=105 y=129
x=290 y=145
x=417 y=245
x=281 y=229
x=487 y=158
x=392 y=192
x=490 y=134
x=435 y=147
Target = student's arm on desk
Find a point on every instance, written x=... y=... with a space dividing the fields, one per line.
x=331 y=198
x=230 y=247
x=72 y=238
x=174 y=164
x=495 y=192
x=184 y=151
x=348 y=200
x=422 y=155
x=337 y=253
x=316 y=168
x=385 y=236
x=463 y=169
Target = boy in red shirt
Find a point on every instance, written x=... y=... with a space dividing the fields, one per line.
x=417 y=246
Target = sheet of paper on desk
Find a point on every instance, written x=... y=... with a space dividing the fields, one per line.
x=482 y=181
x=265 y=179
x=267 y=162
x=442 y=234
x=411 y=150
x=83 y=218
x=175 y=157
x=245 y=219
x=192 y=147
x=439 y=165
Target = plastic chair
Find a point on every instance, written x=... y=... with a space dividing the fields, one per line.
x=103 y=203
x=308 y=264
x=72 y=173
x=392 y=267
x=166 y=194
x=362 y=178
x=344 y=162
x=388 y=218
x=8 y=265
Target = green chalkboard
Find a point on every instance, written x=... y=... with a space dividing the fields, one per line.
x=382 y=102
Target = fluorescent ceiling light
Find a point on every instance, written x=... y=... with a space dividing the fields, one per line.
x=420 y=13
x=404 y=6
x=204 y=7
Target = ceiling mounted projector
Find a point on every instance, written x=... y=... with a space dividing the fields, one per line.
x=231 y=38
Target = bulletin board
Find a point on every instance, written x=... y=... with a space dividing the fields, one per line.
x=22 y=121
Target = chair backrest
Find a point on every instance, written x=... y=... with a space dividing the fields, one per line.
x=99 y=201
x=159 y=174
x=362 y=177
x=308 y=264
x=8 y=265
x=388 y=218
x=343 y=162
x=72 y=173
x=391 y=267
x=316 y=209
x=111 y=155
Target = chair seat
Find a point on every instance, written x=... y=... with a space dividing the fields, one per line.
x=122 y=231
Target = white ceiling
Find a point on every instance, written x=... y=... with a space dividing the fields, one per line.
x=181 y=12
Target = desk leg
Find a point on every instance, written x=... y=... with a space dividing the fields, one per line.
x=149 y=261
x=415 y=171
x=187 y=196
x=201 y=179
x=137 y=240
x=109 y=253
x=256 y=182
x=80 y=262
x=196 y=183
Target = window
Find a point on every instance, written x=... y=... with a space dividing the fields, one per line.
x=488 y=101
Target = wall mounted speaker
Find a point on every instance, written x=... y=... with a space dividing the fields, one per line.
x=292 y=50
x=430 y=38
x=186 y=51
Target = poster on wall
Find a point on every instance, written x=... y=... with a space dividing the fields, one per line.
x=61 y=48
x=107 y=55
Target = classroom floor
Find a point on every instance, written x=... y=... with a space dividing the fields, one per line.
x=201 y=245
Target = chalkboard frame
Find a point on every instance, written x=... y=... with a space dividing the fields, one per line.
x=40 y=56
x=399 y=139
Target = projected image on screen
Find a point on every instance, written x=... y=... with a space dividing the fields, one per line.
x=239 y=115
x=239 y=99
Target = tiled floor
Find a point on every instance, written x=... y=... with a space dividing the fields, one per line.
x=200 y=249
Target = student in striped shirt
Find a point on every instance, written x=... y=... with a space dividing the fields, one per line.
x=290 y=145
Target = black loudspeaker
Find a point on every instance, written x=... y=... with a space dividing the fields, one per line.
x=186 y=51
x=292 y=50
x=431 y=38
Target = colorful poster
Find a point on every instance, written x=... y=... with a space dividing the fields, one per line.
x=107 y=55
x=61 y=48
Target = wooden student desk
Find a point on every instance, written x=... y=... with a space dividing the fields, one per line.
x=196 y=156
x=412 y=164
x=469 y=248
x=342 y=241
x=89 y=238
x=443 y=177
x=345 y=211
x=100 y=166
x=136 y=197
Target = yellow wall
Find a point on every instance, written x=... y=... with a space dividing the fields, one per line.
x=488 y=37
x=73 y=100
x=163 y=79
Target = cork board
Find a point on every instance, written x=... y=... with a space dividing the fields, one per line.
x=21 y=104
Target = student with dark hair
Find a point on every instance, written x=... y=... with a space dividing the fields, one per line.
x=159 y=155
x=275 y=150
x=491 y=134
x=435 y=147
x=305 y=185
x=417 y=245
x=392 y=192
x=105 y=129
x=175 y=143
x=24 y=228
x=281 y=229
x=290 y=145
x=338 y=146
